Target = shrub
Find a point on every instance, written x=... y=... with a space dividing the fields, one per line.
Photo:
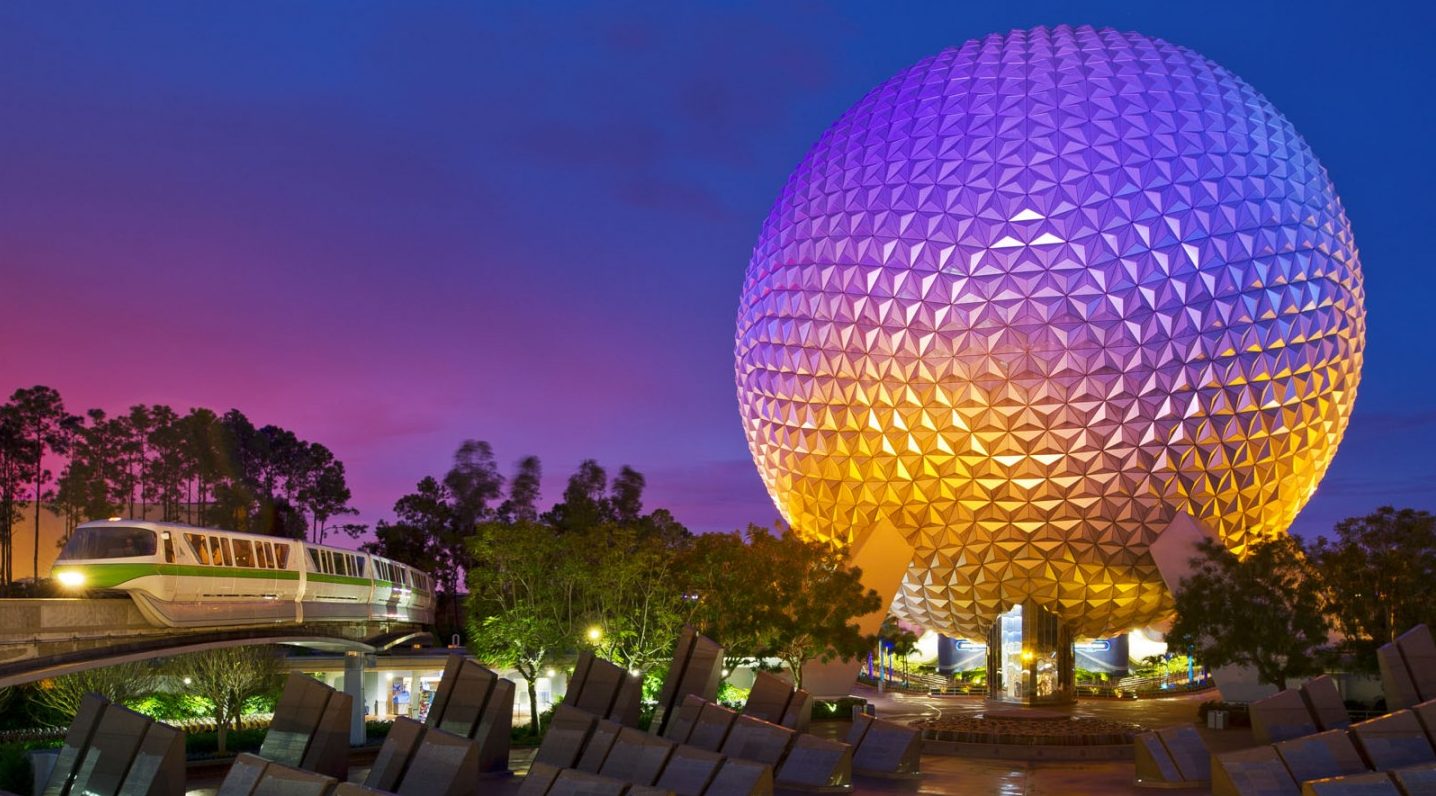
x=376 y=730
x=15 y=773
x=731 y=696
x=168 y=707
x=836 y=709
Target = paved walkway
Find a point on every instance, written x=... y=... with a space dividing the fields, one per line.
x=962 y=775
x=945 y=774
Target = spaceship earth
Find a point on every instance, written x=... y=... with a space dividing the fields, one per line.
x=1032 y=298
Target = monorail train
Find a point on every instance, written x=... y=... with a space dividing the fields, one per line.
x=184 y=576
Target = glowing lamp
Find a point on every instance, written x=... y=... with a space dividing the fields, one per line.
x=70 y=578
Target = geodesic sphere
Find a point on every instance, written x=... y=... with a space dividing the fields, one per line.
x=1033 y=297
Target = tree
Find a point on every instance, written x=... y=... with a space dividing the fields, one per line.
x=15 y=455
x=522 y=504
x=324 y=493
x=235 y=488
x=169 y=464
x=122 y=683
x=227 y=677
x=472 y=483
x=627 y=495
x=40 y=414
x=1263 y=611
x=897 y=640
x=1380 y=577
x=397 y=541
x=634 y=593
x=728 y=603
x=525 y=592
x=202 y=432
x=813 y=598
x=139 y=423
x=584 y=502
x=782 y=597
x=88 y=487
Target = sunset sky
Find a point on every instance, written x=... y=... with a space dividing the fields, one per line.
x=393 y=226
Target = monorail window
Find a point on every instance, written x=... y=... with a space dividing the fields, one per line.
x=281 y=556
x=216 y=555
x=261 y=552
x=359 y=563
x=198 y=546
x=169 y=548
x=228 y=556
x=109 y=542
x=243 y=553
x=314 y=557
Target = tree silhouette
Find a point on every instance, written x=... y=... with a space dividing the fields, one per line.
x=41 y=417
x=1263 y=611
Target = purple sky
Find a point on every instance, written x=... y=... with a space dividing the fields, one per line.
x=391 y=226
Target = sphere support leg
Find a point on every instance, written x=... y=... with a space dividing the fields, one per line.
x=884 y=560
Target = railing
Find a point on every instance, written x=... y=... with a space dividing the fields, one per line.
x=915 y=682
x=1127 y=687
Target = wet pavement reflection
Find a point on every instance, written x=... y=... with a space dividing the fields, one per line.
x=962 y=775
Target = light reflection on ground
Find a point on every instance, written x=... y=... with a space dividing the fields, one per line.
x=949 y=775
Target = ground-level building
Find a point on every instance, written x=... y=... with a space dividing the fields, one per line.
x=403 y=682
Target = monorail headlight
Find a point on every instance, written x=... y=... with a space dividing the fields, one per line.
x=70 y=578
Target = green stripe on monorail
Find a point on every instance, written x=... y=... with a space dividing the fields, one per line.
x=343 y=580
x=104 y=576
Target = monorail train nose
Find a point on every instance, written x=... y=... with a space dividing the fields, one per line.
x=70 y=578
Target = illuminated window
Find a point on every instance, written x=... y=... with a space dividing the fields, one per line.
x=197 y=545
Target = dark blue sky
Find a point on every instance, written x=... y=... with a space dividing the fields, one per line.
x=391 y=226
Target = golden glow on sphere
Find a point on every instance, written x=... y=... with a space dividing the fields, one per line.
x=1032 y=298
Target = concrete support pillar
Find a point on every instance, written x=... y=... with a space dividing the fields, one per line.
x=354 y=687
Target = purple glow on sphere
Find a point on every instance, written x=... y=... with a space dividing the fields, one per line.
x=1033 y=298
